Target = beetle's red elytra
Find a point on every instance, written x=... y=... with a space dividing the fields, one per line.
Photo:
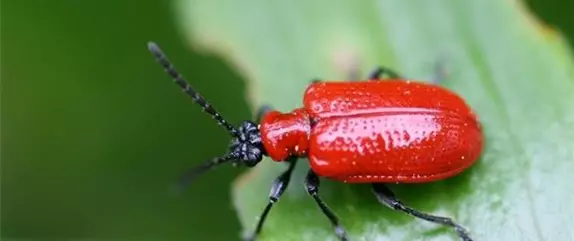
x=375 y=131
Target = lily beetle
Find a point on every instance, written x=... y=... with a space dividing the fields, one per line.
x=374 y=131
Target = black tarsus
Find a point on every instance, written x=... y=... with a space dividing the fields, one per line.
x=187 y=88
x=387 y=197
x=277 y=189
x=312 y=184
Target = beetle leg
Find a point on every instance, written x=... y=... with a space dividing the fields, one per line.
x=262 y=111
x=316 y=81
x=379 y=71
x=277 y=189
x=387 y=197
x=312 y=185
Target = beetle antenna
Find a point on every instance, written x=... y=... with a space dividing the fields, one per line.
x=188 y=177
x=186 y=87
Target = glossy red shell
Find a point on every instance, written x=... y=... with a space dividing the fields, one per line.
x=386 y=131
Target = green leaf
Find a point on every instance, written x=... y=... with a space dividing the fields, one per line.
x=517 y=74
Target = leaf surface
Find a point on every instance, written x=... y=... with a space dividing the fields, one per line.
x=516 y=73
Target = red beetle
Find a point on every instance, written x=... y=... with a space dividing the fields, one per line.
x=392 y=131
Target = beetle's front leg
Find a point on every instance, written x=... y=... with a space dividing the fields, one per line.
x=316 y=81
x=277 y=189
x=264 y=109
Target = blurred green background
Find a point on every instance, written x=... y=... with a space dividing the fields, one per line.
x=94 y=133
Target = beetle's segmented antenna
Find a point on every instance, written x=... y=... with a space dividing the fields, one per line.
x=186 y=87
x=188 y=177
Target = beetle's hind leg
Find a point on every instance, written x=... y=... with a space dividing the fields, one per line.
x=387 y=197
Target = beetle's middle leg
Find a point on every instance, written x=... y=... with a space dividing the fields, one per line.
x=380 y=71
x=312 y=185
x=439 y=73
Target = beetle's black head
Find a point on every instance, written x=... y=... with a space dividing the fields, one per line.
x=245 y=148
